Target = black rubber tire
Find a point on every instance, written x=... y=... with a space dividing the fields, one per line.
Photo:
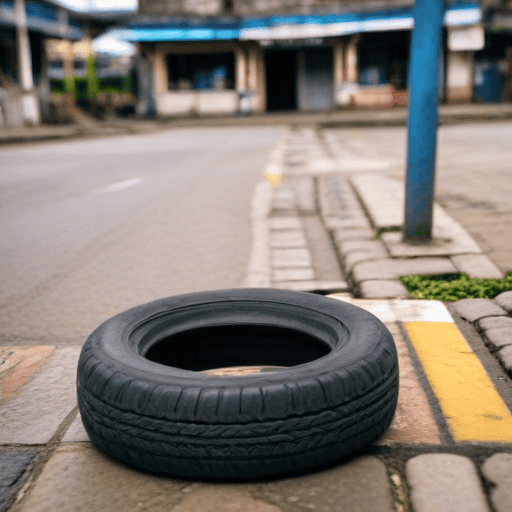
x=189 y=424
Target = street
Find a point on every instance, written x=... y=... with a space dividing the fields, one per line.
x=90 y=228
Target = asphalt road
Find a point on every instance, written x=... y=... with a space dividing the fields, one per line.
x=473 y=179
x=90 y=228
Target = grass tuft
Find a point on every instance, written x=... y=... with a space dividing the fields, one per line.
x=450 y=287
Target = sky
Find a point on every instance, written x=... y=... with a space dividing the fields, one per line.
x=108 y=42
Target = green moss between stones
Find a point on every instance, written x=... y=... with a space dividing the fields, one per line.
x=450 y=287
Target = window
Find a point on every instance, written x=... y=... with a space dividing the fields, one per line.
x=201 y=72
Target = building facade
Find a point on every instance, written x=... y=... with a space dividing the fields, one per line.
x=226 y=56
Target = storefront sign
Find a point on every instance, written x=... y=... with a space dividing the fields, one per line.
x=466 y=38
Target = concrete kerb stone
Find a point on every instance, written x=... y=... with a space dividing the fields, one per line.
x=494 y=322
x=387 y=268
x=477 y=266
x=313 y=286
x=285 y=258
x=499 y=337
x=285 y=239
x=293 y=274
x=348 y=246
x=505 y=358
x=445 y=483
x=476 y=309
x=504 y=300
x=342 y=235
x=353 y=258
x=383 y=289
x=498 y=470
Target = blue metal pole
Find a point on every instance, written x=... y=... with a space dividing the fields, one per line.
x=422 y=126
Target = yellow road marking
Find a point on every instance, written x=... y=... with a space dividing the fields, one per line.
x=472 y=407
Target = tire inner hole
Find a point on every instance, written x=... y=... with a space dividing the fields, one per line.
x=236 y=345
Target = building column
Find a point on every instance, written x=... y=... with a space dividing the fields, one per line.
x=351 y=73
x=241 y=69
x=160 y=78
x=338 y=73
x=30 y=103
x=256 y=78
x=459 y=77
x=337 y=68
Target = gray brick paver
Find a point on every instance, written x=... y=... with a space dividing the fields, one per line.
x=360 y=484
x=505 y=357
x=500 y=336
x=393 y=268
x=504 y=300
x=495 y=322
x=444 y=482
x=477 y=266
x=475 y=309
x=383 y=289
x=498 y=469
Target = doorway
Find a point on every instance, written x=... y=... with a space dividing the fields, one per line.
x=281 y=66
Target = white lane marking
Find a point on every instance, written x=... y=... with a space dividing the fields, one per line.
x=120 y=185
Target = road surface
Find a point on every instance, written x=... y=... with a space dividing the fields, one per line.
x=92 y=227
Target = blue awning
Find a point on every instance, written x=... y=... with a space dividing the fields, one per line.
x=295 y=27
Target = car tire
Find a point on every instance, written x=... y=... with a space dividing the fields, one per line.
x=149 y=398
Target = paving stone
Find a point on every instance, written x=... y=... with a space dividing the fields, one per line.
x=498 y=469
x=341 y=235
x=353 y=486
x=353 y=258
x=314 y=286
x=499 y=336
x=380 y=308
x=33 y=416
x=420 y=311
x=294 y=274
x=290 y=258
x=444 y=482
x=352 y=222
x=504 y=300
x=393 y=269
x=413 y=422
x=495 y=322
x=288 y=239
x=79 y=477
x=376 y=246
x=18 y=365
x=291 y=222
x=372 y=189
x=13 y=462
x=477 y=266
x=475 y=309
x=452 y=240
x=76 y=432
x=505 y=357
x=383 y=289
x=304 y=193
x=215 y=497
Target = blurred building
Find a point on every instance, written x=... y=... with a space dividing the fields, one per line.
x=26 y=26
x=226 y=56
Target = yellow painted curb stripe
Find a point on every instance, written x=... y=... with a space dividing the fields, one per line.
x=472 y=407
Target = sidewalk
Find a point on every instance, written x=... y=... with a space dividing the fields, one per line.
x=448 y=114
x=449 y=447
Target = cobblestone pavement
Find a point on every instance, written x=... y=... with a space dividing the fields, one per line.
x=449 y=447
x=308 y=178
